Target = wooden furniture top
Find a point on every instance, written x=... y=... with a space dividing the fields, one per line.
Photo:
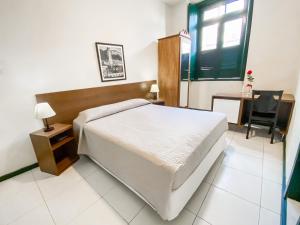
x=68 y=104
x=176 y=35
x=58 y=129
x=157 y=101
x=285 y=97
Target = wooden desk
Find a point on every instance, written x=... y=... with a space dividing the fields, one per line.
x=239 y=105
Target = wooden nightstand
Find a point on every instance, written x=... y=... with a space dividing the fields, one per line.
x=55 y=150
x=157 y=102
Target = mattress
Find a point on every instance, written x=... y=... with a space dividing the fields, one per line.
x=151 y=148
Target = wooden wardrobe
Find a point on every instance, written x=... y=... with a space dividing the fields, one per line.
x=174 y=69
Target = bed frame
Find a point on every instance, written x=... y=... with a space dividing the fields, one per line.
x=67 y=104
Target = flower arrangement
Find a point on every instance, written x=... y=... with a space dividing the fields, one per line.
x=250 y=80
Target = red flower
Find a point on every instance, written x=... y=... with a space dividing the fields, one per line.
x=249 y=72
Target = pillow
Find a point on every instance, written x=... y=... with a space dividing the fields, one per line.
x=106 y=110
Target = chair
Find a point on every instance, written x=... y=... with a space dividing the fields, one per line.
x=264 y=110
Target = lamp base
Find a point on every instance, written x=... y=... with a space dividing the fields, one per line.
x=154 y=96
x=47 y=129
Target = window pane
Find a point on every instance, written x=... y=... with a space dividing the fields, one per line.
x=232 y=32
x=235 y=6
x=214 y=12
x=209 y=37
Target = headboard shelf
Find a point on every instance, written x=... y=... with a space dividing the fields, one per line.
x=67 y=104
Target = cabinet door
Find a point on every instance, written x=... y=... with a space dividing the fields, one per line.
x=185 y=51
x=229 y=107
x=169 y=70
x=184 y=93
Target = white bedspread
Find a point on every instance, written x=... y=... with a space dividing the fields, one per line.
x=152 y=149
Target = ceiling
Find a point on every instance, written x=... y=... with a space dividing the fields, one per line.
x=172 y=2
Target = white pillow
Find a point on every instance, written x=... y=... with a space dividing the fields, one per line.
x=106 y=110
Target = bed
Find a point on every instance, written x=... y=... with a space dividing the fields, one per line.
x=161 y=153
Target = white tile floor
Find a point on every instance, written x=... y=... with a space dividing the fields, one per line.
x=242 y=188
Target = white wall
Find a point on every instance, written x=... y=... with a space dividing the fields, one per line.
x=201 y=92
x=177 y=17
x=293 y=138
x=48 y=46
x=273 y=49
x=293 y=141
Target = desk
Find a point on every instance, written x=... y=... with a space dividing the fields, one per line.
x=237 y=108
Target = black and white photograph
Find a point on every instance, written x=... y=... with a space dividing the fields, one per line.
x=111 y=61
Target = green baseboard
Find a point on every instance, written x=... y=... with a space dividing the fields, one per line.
x=283 y=217
x=18 y=172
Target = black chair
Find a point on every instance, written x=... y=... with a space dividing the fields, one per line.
x=264 y=110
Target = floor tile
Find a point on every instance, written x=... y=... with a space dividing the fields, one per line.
x=254 y=135
x=214 y=169
x=229 y=136
x=249 y=147
x=197 y=199
x=17 y=202
x=272 y=170
x=51 y=185
x=243 y=162
x=293 y=211
x=68 y=204
x=101 y=181
x=20 y=183
x=38 y=216
x=223 y=208
x=268 y=218
x=271 y=196
x=85 y=166
x=199 y=221
x=100 y=213
x=125 y=202
x=149 y=217
x=237 y=182
x=273 y=151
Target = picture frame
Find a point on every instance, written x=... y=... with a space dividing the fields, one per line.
x=111 y=61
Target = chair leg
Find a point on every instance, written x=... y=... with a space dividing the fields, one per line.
x=273 y=134
x=270 y=129
x=248 y=130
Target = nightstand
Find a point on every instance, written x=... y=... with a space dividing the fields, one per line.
x=55 y=150
x=157 y=101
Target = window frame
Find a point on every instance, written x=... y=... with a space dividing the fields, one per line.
x=199 y=23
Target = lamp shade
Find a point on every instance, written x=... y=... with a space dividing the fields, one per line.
x=154 y=88
x=43 y=111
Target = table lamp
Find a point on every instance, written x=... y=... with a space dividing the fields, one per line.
x=155 y=90
x=44 y=111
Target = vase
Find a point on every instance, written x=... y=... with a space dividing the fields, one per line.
x=249 y=88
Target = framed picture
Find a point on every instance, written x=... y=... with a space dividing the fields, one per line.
x=111 y=62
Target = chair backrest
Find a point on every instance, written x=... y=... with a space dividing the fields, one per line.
x=266 y=101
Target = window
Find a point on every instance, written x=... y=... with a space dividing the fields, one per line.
x=232 y=33
x=220 y=32
x=214 y=13
x=209 y=37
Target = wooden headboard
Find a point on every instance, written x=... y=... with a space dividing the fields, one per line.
x=67 y=104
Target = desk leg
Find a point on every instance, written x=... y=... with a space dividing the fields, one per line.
x=241 y=112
